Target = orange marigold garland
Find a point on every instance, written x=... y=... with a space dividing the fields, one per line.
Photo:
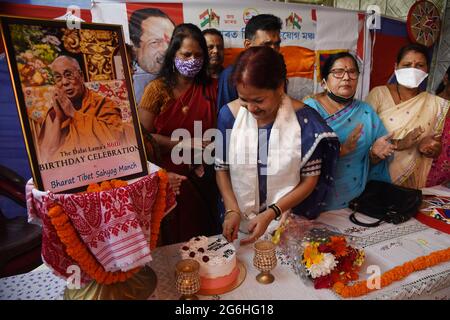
x=93 y=187
x=395 y=274
x=78 y=251
x=118 y=183
x=106 y=185
x=158 y=208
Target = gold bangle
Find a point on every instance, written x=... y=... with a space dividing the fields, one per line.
x=230 y=211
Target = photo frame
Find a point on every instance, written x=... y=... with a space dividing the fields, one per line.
x=75 y=102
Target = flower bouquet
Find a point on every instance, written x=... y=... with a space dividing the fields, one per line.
x=319 y=252
x=36 y=47
x=331 y=260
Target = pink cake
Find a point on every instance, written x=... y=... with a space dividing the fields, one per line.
x=217 y=258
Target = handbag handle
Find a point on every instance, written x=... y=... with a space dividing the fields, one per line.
x=355 y=221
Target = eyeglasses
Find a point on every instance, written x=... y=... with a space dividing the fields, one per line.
x=339 y=73
x=69 y=75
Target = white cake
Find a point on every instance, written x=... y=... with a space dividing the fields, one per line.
x=217 y=258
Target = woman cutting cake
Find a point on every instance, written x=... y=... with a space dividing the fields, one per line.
x=278 y=154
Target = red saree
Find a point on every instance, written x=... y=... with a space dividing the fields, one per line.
x=196 y=104
x=196 y=211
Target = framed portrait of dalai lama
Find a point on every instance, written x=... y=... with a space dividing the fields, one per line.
x=75 y=102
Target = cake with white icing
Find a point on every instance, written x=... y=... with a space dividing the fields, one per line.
x=217 y=258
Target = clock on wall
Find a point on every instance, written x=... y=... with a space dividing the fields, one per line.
x=424 y=23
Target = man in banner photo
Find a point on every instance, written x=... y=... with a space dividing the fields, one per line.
x=78 y=117
x=150 y=32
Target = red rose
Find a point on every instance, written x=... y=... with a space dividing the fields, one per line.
x=324 y=282
x=324 y=248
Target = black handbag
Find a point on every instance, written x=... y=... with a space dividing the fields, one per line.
x=386 y=202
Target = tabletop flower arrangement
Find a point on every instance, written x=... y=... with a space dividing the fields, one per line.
x=321 y=253
x=330 y=260
x=318 y=252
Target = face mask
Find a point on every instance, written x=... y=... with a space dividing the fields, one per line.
x=410 y=77
x=336 y=98
x=189 y=68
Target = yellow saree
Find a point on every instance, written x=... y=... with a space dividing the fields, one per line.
x=409 y=167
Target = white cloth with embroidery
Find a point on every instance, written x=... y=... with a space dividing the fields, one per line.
x=387 y=246
x=283 y=160
x=115 y=225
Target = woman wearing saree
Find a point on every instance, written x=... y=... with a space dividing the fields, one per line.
x=278 y=155
x=181 y=95
x=440 y=169
x=415 y=117
x=364 y=140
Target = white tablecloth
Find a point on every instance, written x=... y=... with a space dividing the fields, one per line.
x=386 y=246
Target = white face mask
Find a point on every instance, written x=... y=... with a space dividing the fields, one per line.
x=410 y=77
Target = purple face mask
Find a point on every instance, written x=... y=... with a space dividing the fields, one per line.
x=189 y=68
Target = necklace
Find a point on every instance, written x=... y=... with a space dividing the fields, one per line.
x=185 y=104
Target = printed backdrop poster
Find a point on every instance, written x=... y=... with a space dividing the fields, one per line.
x=297 y=34
x=75 y=102
x=306 y=30
x=299 y=26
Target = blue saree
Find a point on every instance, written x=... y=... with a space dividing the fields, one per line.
x=354 y=170
x=226 y=91
x=318 y=144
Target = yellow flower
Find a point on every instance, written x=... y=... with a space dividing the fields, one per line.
x=277 y=235
x=312 y=255
x=360 y=258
